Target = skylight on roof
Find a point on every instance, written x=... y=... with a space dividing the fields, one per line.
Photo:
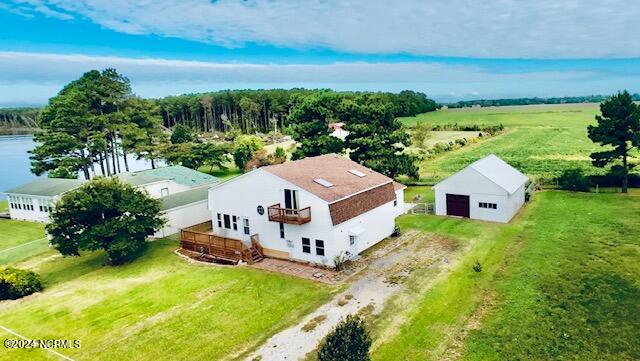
x=357 y=173
x=323 y=182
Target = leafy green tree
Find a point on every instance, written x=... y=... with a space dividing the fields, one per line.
x=420 y=133
x=244 y=147
x=376 y=138
x=310 y=125
x=181 y=134
x=104 y=214
x=349 y=341
x=619 y=128
x=194 y=155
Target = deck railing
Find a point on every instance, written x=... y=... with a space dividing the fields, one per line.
x=199 y=239
x=289 y=215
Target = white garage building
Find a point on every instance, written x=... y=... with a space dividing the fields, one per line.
x=488 y=189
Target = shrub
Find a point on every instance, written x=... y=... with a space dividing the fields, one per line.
x=574 y=180
x=341 y=260
x=477 y=267
x=16 y=283
x=349 y=341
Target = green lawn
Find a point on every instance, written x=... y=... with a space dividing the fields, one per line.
x=540 y=140
x=3 y=206
x=560 y=282
x=224 y=174
x=426 y=192
x=159 y=307
x=21 y=239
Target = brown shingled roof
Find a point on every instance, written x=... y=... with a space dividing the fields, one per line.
x=345 y=209
x=333 y=168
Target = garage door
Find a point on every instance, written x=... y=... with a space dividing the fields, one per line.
x=457 y=205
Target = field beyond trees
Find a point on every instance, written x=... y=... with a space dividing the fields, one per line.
x=539 y=140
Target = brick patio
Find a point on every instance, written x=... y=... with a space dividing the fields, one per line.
x=301 y=270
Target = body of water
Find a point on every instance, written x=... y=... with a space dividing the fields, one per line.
x=15 y=164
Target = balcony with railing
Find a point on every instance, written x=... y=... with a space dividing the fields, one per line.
x=289 y=215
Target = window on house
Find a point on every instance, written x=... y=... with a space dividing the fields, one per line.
x=235 y=223
x=319 y=247
x=395 y=202
x=291 y=199
x=281 y=230
x=352 y=240
x=164 y=192
x=219 y=220
x=227 y=221
x=306 y=245
x=245 y=226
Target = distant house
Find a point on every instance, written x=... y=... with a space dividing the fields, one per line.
x=338 y=131
x=308 y=210
x=488 y=189
x=182 y=190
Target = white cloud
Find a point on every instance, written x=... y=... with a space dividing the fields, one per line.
x=34 y=77
x=488 y=29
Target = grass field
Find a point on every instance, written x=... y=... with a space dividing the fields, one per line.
x=540 y=140
x=560 y=282
x=3 y=206
x=20 y=240
x=158 y=307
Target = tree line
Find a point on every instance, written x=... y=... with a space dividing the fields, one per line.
x=95 y=124
x=265 y=110
x=535 y=100
x=19 y=118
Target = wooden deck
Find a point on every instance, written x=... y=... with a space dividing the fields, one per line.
x=288 y=215
x=199 y=238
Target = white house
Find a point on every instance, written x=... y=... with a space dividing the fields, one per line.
x=182 y=190
x=488 y=189
x=309 y=210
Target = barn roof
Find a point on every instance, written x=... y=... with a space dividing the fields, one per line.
x=497 y=171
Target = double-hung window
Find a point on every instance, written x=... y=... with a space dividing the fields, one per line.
x=219 y=220
x=235 y=222
x=306 y=245
x=245 y=226
x=319 y=247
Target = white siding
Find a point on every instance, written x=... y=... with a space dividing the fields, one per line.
x=35 y=215
x=479 y=189
x=155 y=189
x=182 y=217
x=241 y=197
x=378 y=224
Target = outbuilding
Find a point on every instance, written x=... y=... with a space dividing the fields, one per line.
x=488 y=189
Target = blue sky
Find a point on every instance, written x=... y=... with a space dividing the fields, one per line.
x=450 y=50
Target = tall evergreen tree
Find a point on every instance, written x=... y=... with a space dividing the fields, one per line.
x=310 y=125
x=619 y=128
x=79 y=126
x=376 y=138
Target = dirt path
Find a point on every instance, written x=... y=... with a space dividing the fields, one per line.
x=369 y=291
